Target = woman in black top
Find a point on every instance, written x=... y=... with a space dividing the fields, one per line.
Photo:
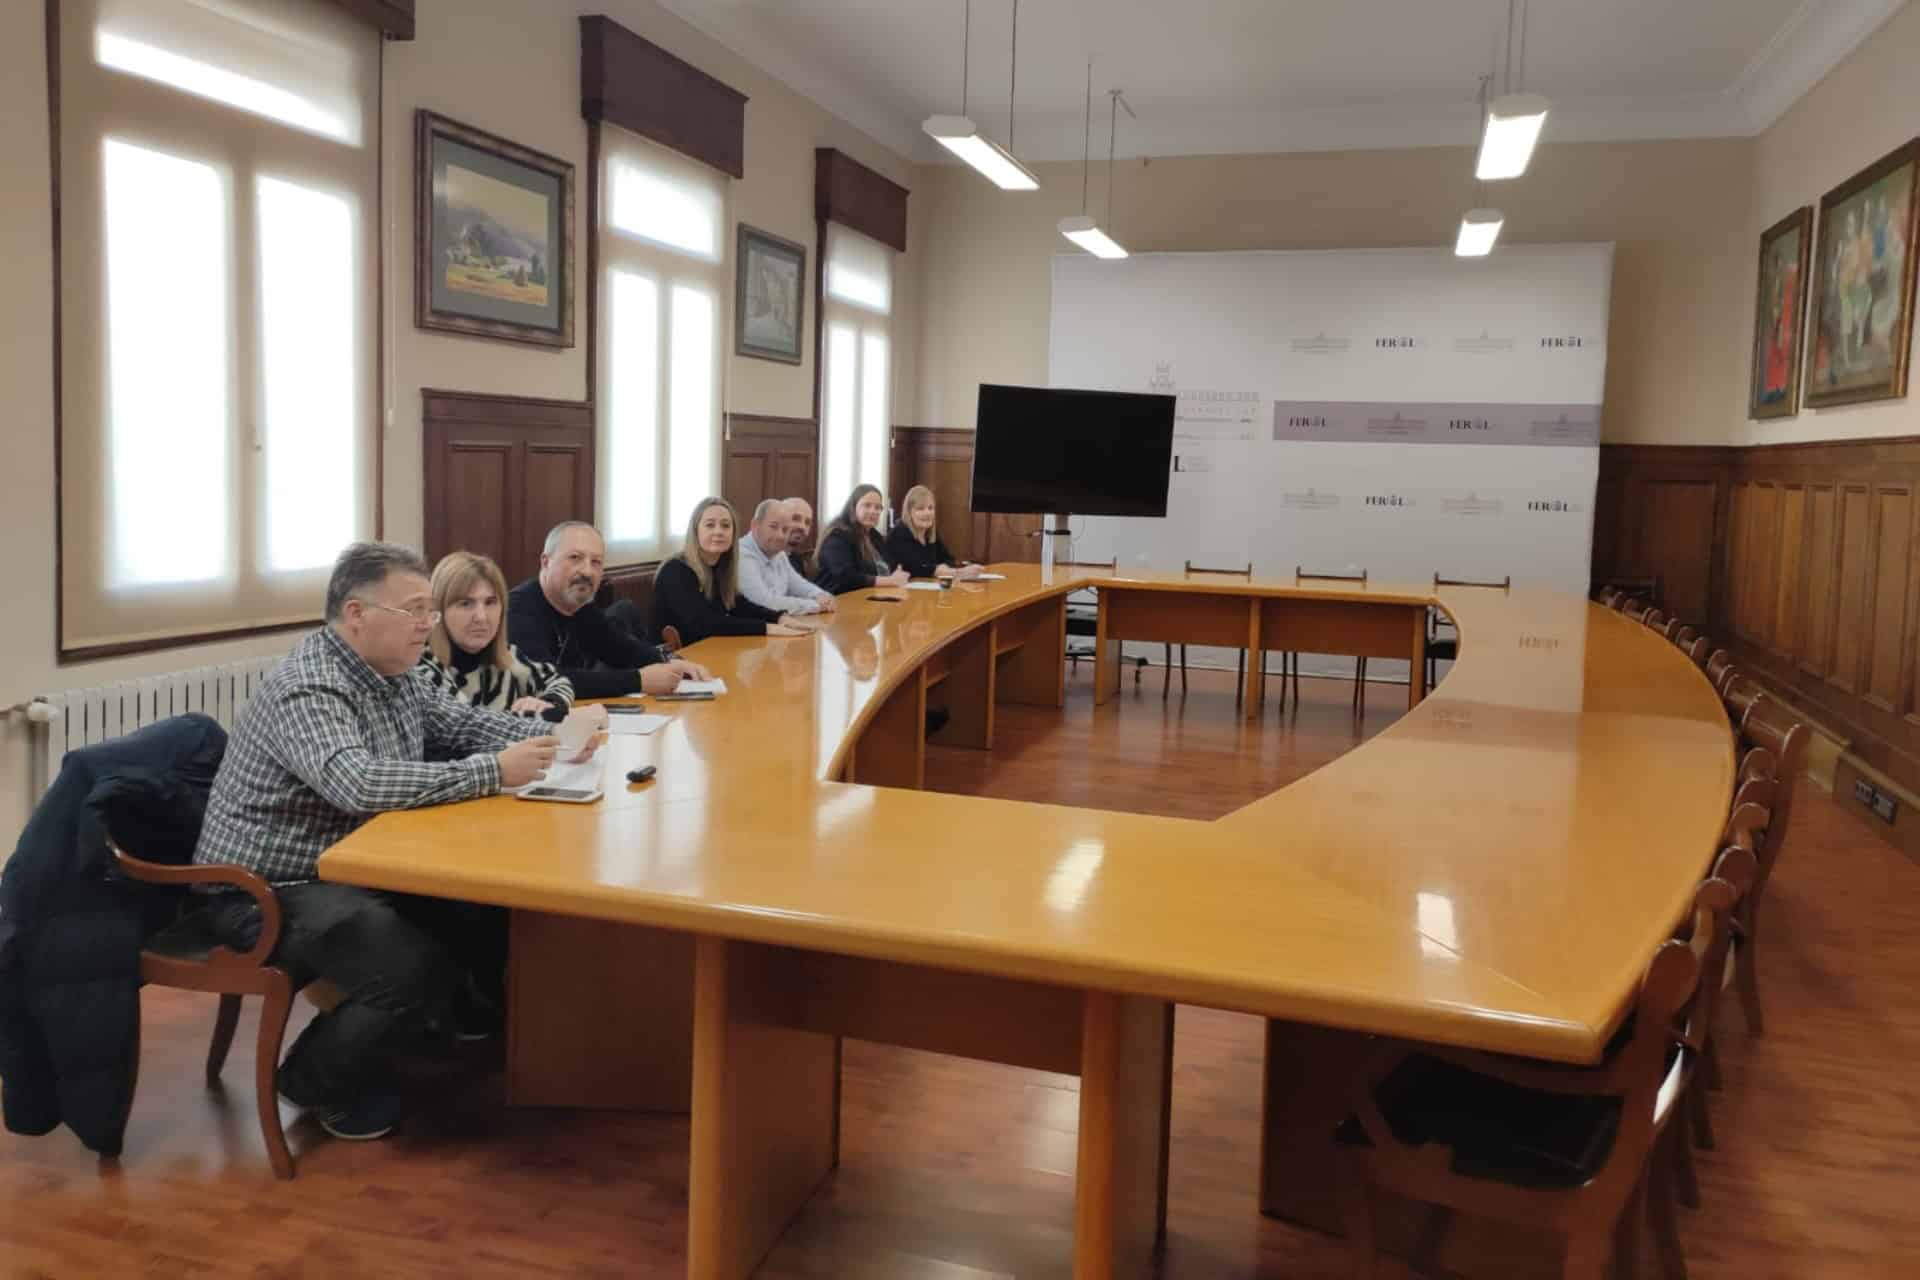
x=851 y=553
x=697 y=593
x=914 y=545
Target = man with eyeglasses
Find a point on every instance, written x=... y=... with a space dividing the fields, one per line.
x=342 y=730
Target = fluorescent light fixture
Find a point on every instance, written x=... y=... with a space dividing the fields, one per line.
x=1478 y=230
x=1086 y=233
x=1513 y=126
x=995 y=163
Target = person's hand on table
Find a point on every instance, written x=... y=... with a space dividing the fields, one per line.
x=784 y=627
x=527 y=761
x=827 y=603
x=898 y=578
x=690 y=670
x=592 y=744
x=530 y=706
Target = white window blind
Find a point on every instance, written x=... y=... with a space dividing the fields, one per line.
x=856 y=382
x=218 y=325
x=663 y=264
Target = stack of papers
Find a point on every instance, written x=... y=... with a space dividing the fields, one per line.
x=632 y=722
x=715 y=686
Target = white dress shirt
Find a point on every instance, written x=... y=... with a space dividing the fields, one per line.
x=772 y=582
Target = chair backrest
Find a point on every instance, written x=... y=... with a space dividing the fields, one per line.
x=1301 y=575
x=1113 y=564
x=1663 y=1016
x=1741 y=693
x=1699 y=649
x=1762 y=727
x=1635 y=608
x=1505 y=584
x=1718 y=667
x=1200 y=568
x=1653 y=620
x=1684 y=636
x=1711 y=934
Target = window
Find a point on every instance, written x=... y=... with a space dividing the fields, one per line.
x=663 y=263
x=218 y=314
x=856 y=380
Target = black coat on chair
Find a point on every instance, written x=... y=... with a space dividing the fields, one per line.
x=71 y=927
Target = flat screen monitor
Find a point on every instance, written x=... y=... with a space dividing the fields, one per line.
x=1040 y=450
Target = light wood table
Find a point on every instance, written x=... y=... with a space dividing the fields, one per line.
x=1493 y=870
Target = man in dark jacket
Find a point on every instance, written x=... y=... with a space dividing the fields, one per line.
x=71 y=928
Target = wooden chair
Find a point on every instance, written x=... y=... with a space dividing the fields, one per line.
x=1761 y=726
x=1735 y=869
x=1718 y=668
x=1654 y=620
x=1524 y=1142
x=1083 y=619
x=1740 y=693
x=1675 y=626
x=1700 y=649
x=1683 y=637
x=188 y=957
x=670 y=638
x=1290 y=659
x=1446 y=648
x=1240 y=669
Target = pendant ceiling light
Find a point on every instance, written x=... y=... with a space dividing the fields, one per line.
x=961 y=136
x=1480 y=228
x=1513 y=122
x=1083 y=230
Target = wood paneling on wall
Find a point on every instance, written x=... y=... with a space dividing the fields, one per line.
x=1800 y=558
x=502 y=470
x=768 y=457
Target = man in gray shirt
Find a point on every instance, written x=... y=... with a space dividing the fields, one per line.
x=767 y=577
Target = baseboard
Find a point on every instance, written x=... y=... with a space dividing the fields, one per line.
x=1903 y=833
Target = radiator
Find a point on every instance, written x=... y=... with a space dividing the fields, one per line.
x=75 y=718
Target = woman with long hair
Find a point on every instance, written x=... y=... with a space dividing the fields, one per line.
x=697 y=593
x=468 y=654
x=914 y=544
x=852 y=554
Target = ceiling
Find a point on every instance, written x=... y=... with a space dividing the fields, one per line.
x=1218 y=76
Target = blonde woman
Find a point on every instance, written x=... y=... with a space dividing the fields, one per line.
x=467 y=653
x=697 y=593
x=915 y=546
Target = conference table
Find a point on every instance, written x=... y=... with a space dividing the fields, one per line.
x=1493 y=870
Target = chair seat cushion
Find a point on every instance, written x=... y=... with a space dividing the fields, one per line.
x=1498 y=1131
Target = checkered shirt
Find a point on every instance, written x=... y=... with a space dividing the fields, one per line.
x=327 y=743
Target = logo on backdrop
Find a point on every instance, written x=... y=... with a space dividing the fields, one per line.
x=1548 y=643
x=1566 y=342
x=1484 y=345
x=1320 y=345
x=1388 y=500
x=1218 y=414
x=1469 y=424
x=1161 y=383
x=1307 y=421
x=1397 y=427
x=1311 y=500
x=1564 y=427
x=1553 y=506
x=1397 y=342
x=1472 y=505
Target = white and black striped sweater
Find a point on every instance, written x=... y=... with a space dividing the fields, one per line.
x=472 y=679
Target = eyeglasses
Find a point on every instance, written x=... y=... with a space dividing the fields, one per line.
x=422 y=616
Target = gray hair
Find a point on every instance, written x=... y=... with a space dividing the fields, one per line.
x=559 y=531
x=368 y=564
x=766 y=506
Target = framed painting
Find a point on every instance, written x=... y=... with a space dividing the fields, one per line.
x=1862 y=333
x=1779 y=317
x=770 y=296
x=493 y=236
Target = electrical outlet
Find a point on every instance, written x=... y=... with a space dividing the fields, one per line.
x=1882 y=805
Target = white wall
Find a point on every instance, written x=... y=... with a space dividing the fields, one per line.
x=508 y=66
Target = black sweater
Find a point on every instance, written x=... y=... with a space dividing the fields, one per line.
x=841 y=567
x=918 y=558
x=679 y=603
x=599 y=657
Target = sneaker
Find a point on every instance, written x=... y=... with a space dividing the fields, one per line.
x=374 y=1114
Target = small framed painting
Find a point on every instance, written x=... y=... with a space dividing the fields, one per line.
x=493 y=241
x=770 y=296
x=1779 y=319
x=1862 y=333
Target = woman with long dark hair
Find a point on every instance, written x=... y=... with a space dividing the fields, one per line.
x=852 y=554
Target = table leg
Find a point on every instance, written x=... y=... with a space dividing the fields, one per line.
x=892 y=748
x=765 y=1121
x=1253 y=689
x=1120 y=1207
x=1417 y=665
x=968 y=693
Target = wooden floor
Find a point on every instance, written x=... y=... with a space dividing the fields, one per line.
x=957 y=1171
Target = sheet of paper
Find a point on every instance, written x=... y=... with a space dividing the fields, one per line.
x=991 y=577
x=923 y=586
x=715 y=686
x=631 y=724
x=584 y=776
